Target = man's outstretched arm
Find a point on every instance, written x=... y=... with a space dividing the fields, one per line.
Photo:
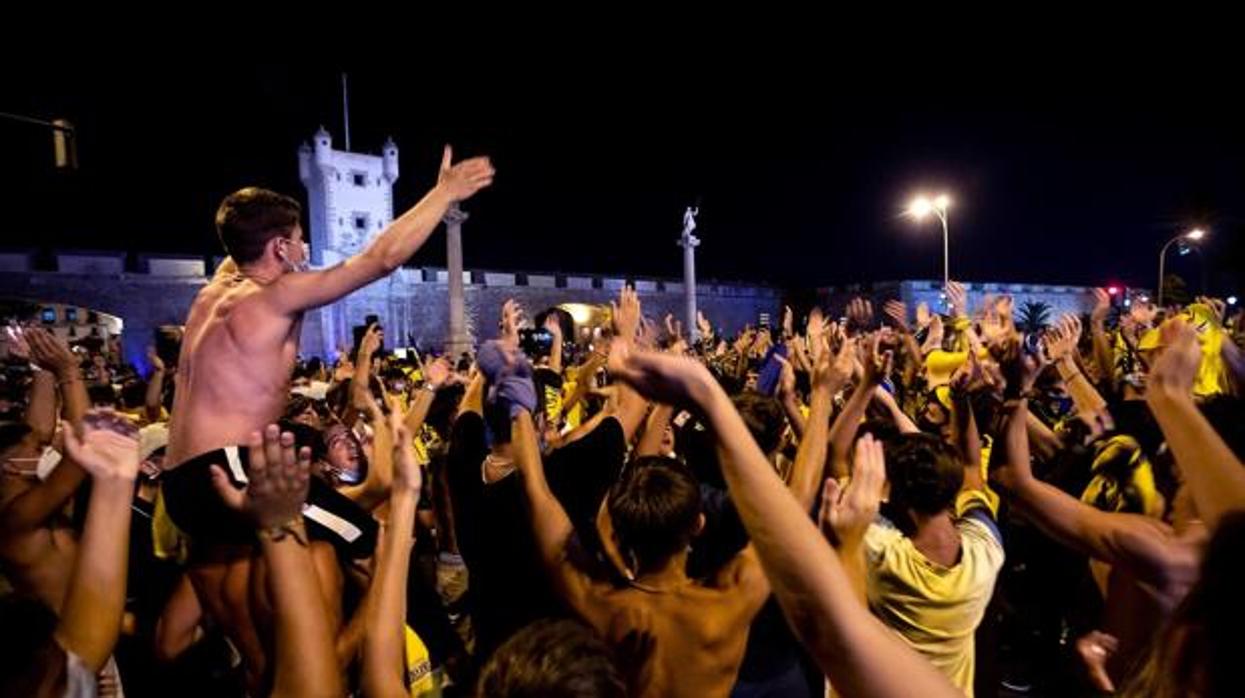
x=406 y=234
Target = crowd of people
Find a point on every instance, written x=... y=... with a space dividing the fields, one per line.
x=902 y=501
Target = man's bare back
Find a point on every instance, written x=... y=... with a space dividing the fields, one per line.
x=234 y=370
x=690 y=639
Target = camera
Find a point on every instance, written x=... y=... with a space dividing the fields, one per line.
x=535 y=341
x=360 y=330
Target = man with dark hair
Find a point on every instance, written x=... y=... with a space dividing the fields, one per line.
x=655 y=510
x=683 y=636
x=249 y=218
x=561 y=658
x=931 y=575
x=237 y=355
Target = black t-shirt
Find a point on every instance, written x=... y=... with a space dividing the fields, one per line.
x=509 y=586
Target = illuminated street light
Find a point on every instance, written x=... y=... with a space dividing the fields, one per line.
x=921 y=207
x=1193 y=236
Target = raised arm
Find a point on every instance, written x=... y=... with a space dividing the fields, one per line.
x=1103 y=354
x=32 y=507
x=1143 y=546
x=964 y=433
x=897 y=311
x=406 y=234
x=549 y=520
x=846 y=512
x=810 y=457
x=153 y=400
x=787 y=397
x=437 y=374
x=843 y=432
x=384 y=643
x=306 y=664
x=1214 y=474
x=861 y=657
x=90 y=619
x=555 y=351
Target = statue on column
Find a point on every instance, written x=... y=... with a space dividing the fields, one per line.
x=689 y=219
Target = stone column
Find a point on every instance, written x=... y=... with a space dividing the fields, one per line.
x=689 y=242
x=458 y=340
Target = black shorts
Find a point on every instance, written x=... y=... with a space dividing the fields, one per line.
x=194 y=506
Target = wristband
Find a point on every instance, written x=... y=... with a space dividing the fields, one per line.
x=292 y=528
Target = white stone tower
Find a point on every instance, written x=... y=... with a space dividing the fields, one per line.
x=349 y=201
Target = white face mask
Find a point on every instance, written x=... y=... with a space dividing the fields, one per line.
x=304 y=265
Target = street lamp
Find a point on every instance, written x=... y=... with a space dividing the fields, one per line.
x=1193 y=236
x=921 y=207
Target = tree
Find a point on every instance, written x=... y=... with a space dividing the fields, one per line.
x=1175 y=290
x=1034 y=316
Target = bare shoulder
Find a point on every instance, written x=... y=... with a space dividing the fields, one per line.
x=748 y=581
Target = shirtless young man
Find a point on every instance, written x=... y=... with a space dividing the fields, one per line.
x=684 y=637
x=238 y=352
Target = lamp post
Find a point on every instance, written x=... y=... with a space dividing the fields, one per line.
x=1192 y=236
x=921 y=207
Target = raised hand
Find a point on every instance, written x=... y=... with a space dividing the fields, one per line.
x=1175 y=369
x=877 y=364
x=1004 y=306
x=786 y=379
x=371 y=340
x=846 y=512
x=108 y=447
x=460 y=181
x=703 y=326
x=554 y=328
x=438 y=372
x=18 y=346
x=1095 y=648
x=511 y=319
x=50 y=353
x=1102 y=307
x=674 y=328
x=763 y=342
x=407 y=474
x=957 y=298
x=664 y=378
x=647 y=337
x=923 y=316
x=996 y=327
x=817 y=335
x=626 y=314
x=278 y=480
x=788 y=322
x=1062 y=337
x=1218 y=307
x=860 y=314
x=840 y=368
x=898 y=313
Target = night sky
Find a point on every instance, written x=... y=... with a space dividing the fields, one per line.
x=1061 y=173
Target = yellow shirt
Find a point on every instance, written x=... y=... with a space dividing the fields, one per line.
x=936 y=609
x=418 y=666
